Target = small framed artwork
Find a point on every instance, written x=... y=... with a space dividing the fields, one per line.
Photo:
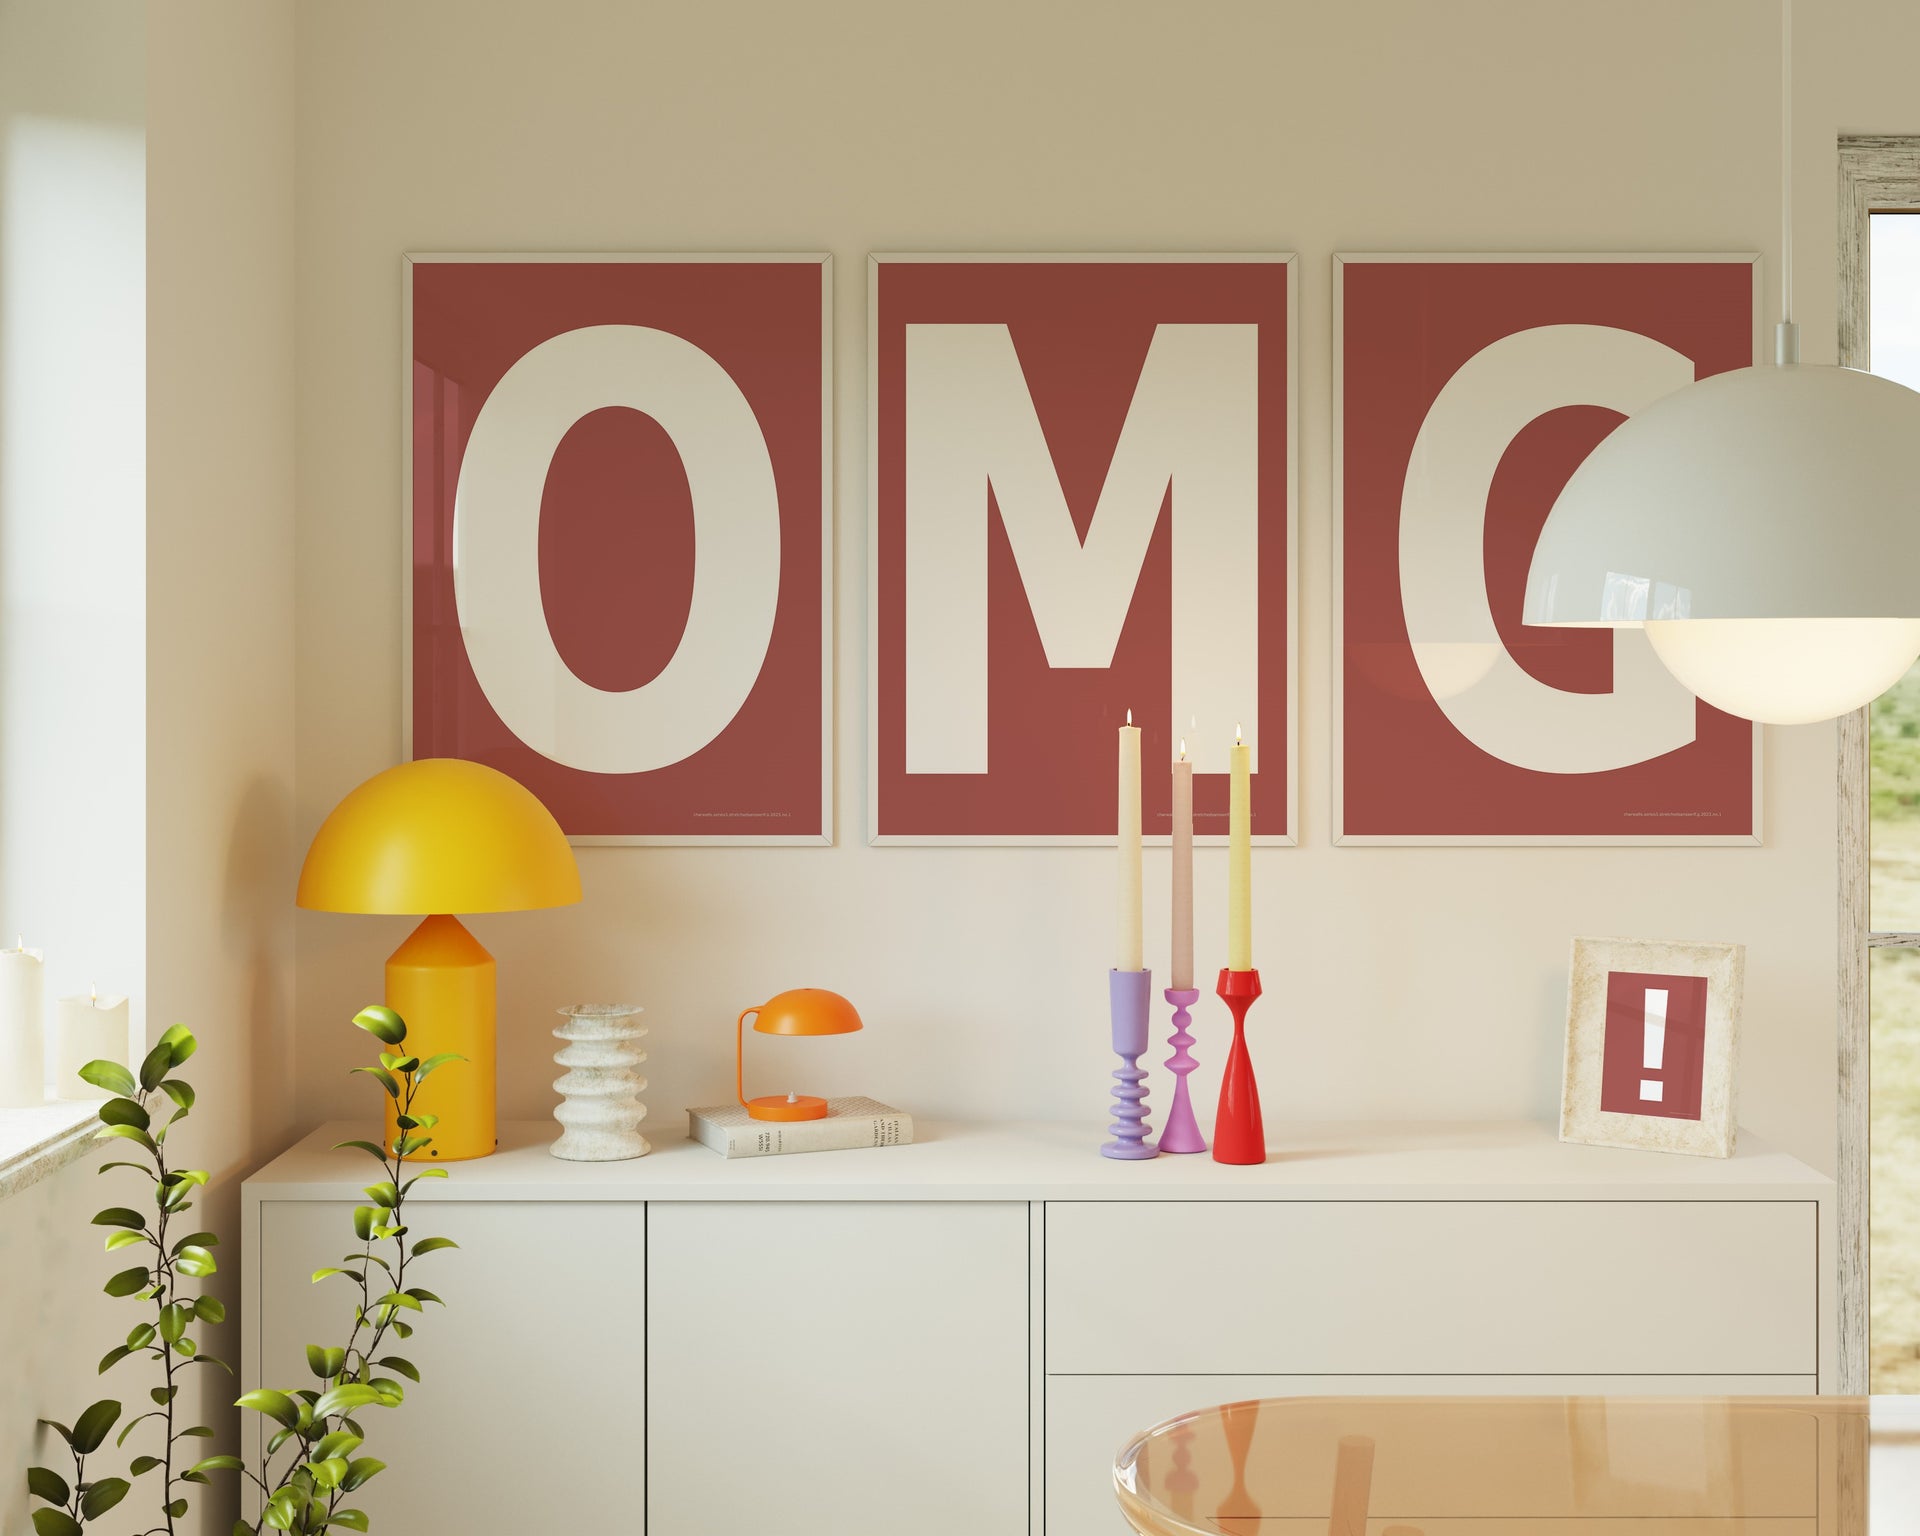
x=1653 y=1034
x=1467 y=389
x=618 y=479
x=1081 y=481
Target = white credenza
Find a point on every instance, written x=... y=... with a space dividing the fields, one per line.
x=952 y=1338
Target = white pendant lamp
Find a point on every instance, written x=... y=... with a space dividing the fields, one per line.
x=1763 y=524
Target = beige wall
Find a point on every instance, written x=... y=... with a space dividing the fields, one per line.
x=220 y=597
x=1406 y=983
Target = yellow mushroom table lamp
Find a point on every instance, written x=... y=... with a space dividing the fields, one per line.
x=430 y=838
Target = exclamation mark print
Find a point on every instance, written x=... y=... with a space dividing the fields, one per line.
x=1653 y=1048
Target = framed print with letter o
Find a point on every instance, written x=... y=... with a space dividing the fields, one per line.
x=1467 y=389
x=619 y=482
x=1082 y=504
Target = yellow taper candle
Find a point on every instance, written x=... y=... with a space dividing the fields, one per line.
x=1240 y=857
x=1128 y=949
x=1182 y=978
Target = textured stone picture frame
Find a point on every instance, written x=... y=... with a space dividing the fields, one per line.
x=1653 y=1037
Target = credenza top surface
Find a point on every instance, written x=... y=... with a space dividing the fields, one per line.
x=1038 y=1161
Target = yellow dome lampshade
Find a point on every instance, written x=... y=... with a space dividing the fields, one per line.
x=800 y=1011
x=439 y=836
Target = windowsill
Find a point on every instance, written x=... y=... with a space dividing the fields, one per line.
x=41 y=1140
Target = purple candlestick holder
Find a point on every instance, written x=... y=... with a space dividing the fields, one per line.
x=1183 y=1131
x=1130 y=1000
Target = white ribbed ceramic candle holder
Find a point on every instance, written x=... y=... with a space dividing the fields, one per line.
x=600 y=1110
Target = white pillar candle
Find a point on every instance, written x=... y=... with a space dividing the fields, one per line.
x=1129 y=947
x=23 y=1026
x=90 y=1028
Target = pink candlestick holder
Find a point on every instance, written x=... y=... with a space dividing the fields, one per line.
x=1183 y=1131
x=1130 y=1002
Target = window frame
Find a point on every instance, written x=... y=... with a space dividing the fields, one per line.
x=1879 y=173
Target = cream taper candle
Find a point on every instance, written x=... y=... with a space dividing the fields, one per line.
x=1240 y=857
x=1128 y=949
x=23 y=1025
x=1181 y=979
x=91 y=1028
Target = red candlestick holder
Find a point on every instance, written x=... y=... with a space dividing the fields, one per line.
x=1238 y=1135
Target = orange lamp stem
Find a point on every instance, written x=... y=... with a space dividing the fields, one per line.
x=441 y=981
x=740 y=1060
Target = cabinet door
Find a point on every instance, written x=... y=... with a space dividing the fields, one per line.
x=822 y=1369
x=1089 y=1419
x=533 y=1370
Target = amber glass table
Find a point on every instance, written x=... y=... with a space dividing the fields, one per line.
x=1534 y=1466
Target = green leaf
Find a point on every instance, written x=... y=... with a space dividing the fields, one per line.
x=342 y=1442
x=140 y=1336
x=112 y=1358
x=421 y=1293
x=190 y=1175
x=351 y=1274
x=399 y=1299
x=275 y=1405
x=383 y=1194
x=102 y=1496
x=162 y=1395
x=179 y=1040
x=123 y=1112
x=210 y=1309
x=90 y=1429
x=159 y=1062
x=424 y=1121
x=363 y=1216
x=348 y=1396
x=177 y=1508
x=60 y=1429
x=118 y=1240
x=195 y=1261
x=217 y=1464
x=206 y=1359
x=126 y=1282
x=181 y=1094
x=372 y=1148
x=137 y=1167
x=198 y=1239
x=130 y=1132
x=199 y=1429
x=45 y=1483
x=173 y=1321
x=433 y=1245
x=57 y=1522
x=120 y=1216
x=328 y=1472
x=351 y=1519
x=385 y=1078
x=427 y=1068
x=140 y=1466
x=382 y=1023
x=362 y=1469
x=131 y=1425
x=405 y=1368
x=326 y=1363
x=110 y=1075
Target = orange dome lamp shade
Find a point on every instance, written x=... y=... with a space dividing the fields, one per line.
x=801 y=1011
x=434 y=837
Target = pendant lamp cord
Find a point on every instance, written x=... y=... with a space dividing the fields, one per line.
x=1787 y=337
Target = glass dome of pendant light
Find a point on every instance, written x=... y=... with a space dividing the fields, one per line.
x=1764 y=525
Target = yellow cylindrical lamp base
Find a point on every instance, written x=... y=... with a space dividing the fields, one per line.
x=441 y=981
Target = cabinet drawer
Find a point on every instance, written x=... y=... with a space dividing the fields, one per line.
x=1089 y=1418
x=1450 y=1288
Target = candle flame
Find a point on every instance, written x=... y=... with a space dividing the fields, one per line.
x=1183 y=749
x=1236 y=733
x=1129 y=717
x=93 y=993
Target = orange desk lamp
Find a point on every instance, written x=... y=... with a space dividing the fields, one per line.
x=436 y=836
x=802 y=1011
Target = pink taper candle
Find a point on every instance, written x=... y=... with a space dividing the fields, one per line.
x=1182 y=978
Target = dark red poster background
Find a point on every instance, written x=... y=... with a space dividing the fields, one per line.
x=1407 y=327
x=617 y=535
x=1081 y=330
x=1683 y=1055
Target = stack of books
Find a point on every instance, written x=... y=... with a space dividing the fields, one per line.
x=732 y=1132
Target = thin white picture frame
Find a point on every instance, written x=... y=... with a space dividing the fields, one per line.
x=1289 y=260
x=1339 y=836
x=824 y=260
